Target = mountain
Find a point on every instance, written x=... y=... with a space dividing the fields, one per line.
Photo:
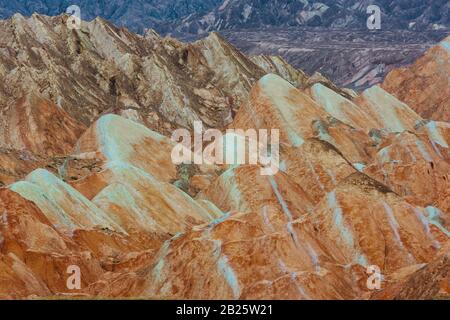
x=363 y=179
x=46 y=70
x=212 y=15
x=329 y=37
x=425 y=85
x=343 y=14
x=356 y=59
x=136 y=15
x=41 y=55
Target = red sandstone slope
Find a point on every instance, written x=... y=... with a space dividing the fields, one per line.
x=425 y=86
x=309 y=232
x=282 y=239
x=39 y=126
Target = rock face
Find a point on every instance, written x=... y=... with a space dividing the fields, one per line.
x=352 y=58
x=204 y=81
x=277 y=65
x=324 y=36
x=362 y=179
x=196 y=16
x=424 y=282
x=34 y=253
x=39 y=126
x=136 y=16
x=117 y=218
x=425 y=86
x=251 y=14
x=15 y=164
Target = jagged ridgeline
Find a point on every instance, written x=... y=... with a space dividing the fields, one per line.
x=197 y=16
x=100 y=68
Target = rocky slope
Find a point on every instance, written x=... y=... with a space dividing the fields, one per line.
x=136 y=15
x=206 y=80
x=352 y=58
x=425 y=85
x=343 y=14
x=325 y=36
x=205 y=16
x=363 y=179
x=47 y=69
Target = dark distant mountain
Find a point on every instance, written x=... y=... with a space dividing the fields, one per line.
x=136 y=15
x=244 y=14
x=199 y=16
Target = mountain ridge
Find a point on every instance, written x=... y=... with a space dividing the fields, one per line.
x=89 y=183
x=200 y=16
x=331 y=33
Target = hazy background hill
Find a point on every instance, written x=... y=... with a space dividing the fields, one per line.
x=135 y=15
x=196 y=16
x=341 y=14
